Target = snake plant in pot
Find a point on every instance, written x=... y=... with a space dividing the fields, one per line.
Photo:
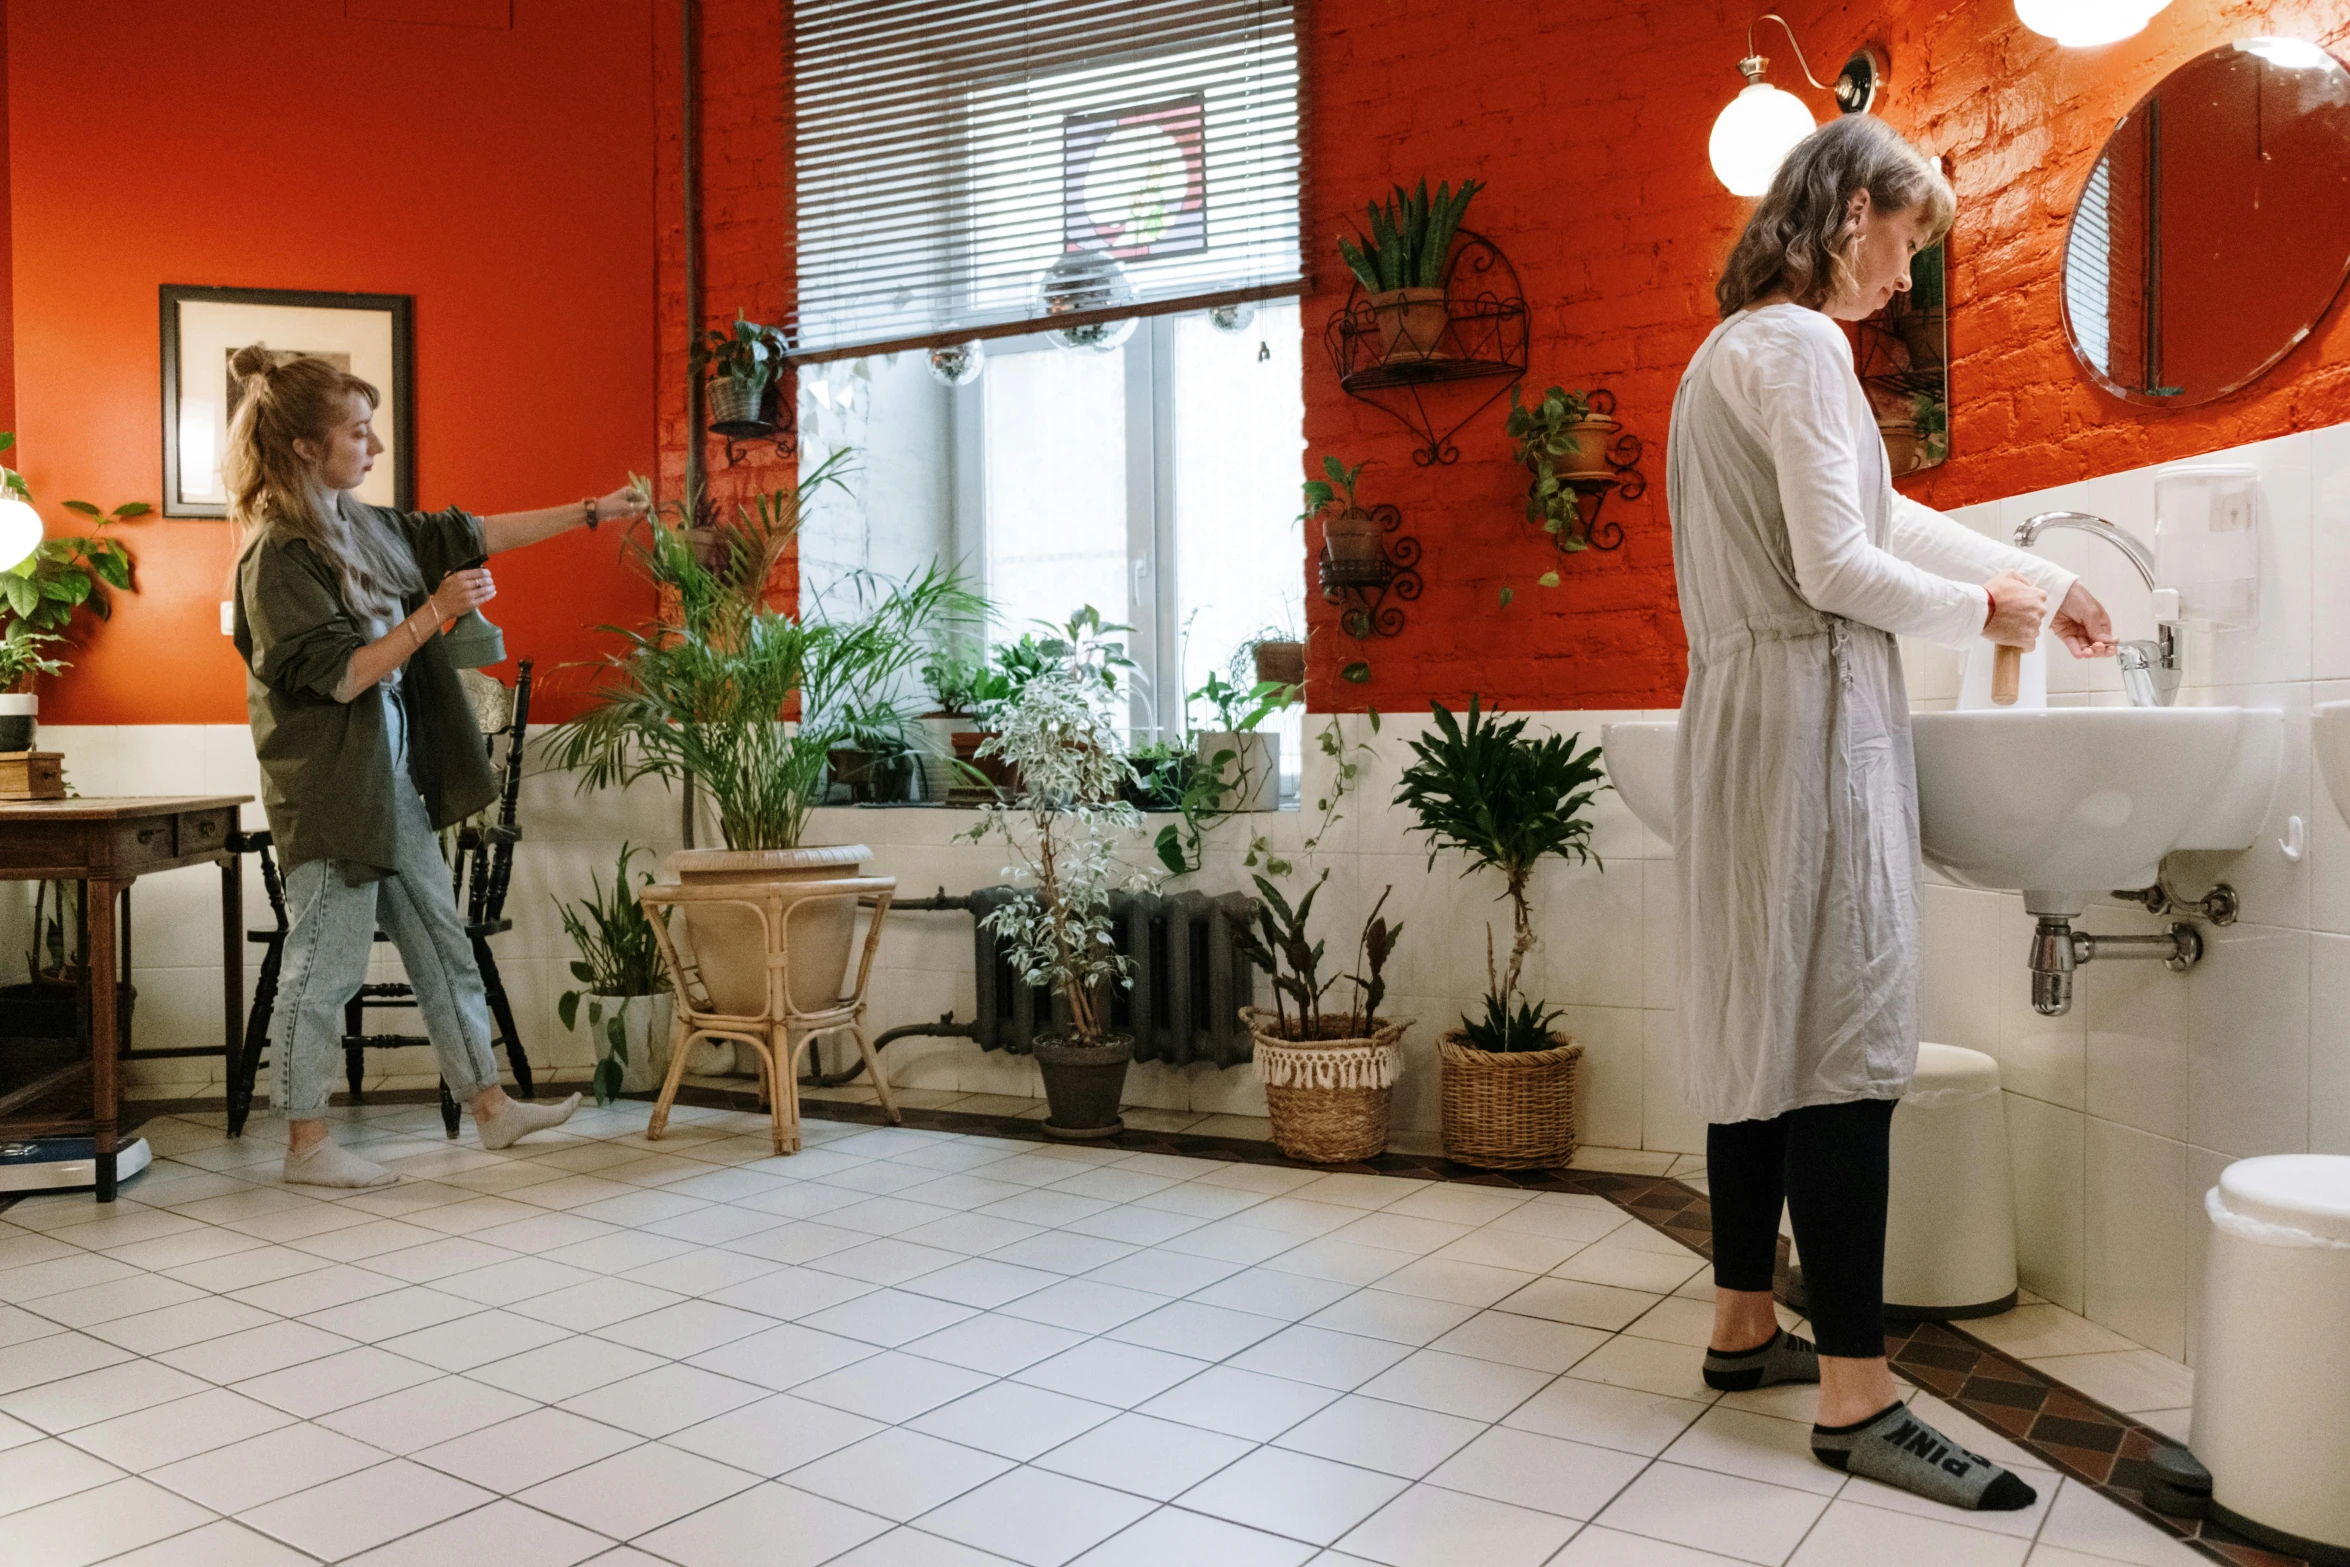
x=707 y=698
x=1062 y=829
x=1400 y=263
x=1484 y=789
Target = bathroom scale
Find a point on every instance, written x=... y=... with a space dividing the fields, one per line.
x=49 y=1164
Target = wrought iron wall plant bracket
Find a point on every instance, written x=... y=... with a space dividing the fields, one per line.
x=1604 y=460
x=1361 y=580
x=775 y=425
x=1396 y=363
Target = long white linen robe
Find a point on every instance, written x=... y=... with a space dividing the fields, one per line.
x=1796 y=796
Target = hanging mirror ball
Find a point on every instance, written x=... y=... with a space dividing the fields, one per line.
x=1232 y=318
x=1086 y=281
x=957 y=364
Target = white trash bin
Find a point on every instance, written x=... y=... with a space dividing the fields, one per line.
x=2272 y=1368
x=1950 y=1204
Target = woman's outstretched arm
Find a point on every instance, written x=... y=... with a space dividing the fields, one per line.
x=511 y=530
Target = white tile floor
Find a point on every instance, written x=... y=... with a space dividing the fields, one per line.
x=902 y=1349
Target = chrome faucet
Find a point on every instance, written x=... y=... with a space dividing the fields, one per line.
x=2151 y=671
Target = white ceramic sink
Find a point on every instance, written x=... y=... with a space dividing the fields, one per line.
x=2056 y=803
x=1640 y=764
x=2060 y=803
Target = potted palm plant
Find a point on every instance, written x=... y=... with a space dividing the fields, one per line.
x=1062 y=829
x=1329 y=1076
x=1508 y=803
x=1400 y=263
x=619 y=970
x=708 y=698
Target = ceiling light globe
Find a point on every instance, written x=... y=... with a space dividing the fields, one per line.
x=2084 y=24
x=1753 y=135
x=20 y=532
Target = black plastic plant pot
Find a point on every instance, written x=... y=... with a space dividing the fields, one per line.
x=16 y=732
x=1083 y=1085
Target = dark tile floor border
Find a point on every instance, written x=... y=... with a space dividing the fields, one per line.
x=2100 y=1447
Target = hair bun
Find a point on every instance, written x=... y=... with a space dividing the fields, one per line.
x=252 y=361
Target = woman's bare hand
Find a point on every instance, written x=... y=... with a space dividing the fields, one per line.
x=462 y=590
x=625 y=504
x=2083 y=626
x=2017 y=609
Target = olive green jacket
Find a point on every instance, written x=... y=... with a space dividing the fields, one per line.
x=326 y=766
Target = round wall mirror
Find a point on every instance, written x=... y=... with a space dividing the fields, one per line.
x=2215 y=229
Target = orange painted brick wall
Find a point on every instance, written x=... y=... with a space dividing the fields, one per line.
x=1589 y=122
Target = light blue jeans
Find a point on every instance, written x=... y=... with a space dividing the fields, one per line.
x=327 y=952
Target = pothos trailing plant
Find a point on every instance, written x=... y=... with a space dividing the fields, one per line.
x=619 y=956
x=1508 y=803
x=1545 y=432
x=1057 y=732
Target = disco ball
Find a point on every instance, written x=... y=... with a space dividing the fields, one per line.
x=1086 y=281
x=958 y=364
x=1233 y=318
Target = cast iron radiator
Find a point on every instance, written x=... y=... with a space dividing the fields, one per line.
x=1190 y=980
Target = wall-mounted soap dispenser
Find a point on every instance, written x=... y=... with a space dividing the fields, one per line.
x=2207 y=528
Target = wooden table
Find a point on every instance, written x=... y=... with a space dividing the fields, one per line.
x=107 y=843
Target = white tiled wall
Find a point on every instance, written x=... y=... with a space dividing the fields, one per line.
x=2121 y=1114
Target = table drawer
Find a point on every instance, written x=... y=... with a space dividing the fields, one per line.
x=206 y=832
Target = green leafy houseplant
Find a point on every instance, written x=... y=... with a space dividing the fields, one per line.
x=1509 y=803
x=1408 y=238
x=1547 y=431
x=1227 y=766
x=619 y=957
x=746 y=355
x=21 y=658
x=42 y=591
x=711 y=697
x=1284 y=946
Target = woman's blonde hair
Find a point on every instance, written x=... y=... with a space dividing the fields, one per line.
x=274 y=491
x=1797 y=242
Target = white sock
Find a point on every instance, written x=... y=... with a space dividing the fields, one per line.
x=324 y=1164
x=519 y=1119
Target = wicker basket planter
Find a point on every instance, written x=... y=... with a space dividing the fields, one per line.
x=1328 y=1097
x=1509 y=1111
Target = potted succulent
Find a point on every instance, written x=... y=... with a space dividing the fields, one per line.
x=1400 y=264
x=740 y=361
x=706 y=698
x=1561 y=439
x=1329 y=1076
x=1508 y=803
x=1062 y=830
x=619 y=970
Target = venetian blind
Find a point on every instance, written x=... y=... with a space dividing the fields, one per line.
x=969 y=168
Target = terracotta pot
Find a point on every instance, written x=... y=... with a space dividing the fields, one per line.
x=995 y=769
x=727 y=940
x=1412 y=323
x=1284 y=663
x=1354 y=538
x=1905 y=449
x=1589 y=458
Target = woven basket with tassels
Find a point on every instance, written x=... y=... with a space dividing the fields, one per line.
x=1512 y=1110
x=1329 y=1097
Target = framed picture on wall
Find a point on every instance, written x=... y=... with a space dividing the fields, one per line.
x=370 y=335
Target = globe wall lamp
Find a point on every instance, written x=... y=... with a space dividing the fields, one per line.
x=1754 y=133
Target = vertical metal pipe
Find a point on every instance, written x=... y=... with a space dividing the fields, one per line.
x=690 y=179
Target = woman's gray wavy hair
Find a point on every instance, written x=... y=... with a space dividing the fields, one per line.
x=1796 y=242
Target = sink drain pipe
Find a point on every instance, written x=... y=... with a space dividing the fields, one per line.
x=945 y=1028
x=2058 y=950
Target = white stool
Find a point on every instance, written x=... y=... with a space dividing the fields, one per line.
x=1950 y=1208
x=2272 y=1369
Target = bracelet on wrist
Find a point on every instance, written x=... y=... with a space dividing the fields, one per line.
x=588 y=511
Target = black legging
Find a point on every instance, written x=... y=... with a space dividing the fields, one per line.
x=1827 y=1163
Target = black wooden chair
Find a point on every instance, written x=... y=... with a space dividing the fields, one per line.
x=482 y=869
